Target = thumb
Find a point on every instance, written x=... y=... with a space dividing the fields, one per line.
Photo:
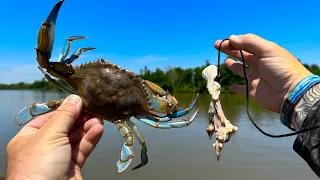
x=250 y=43
x=65 y=115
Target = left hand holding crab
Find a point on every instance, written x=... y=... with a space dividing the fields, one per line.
x=54 y=145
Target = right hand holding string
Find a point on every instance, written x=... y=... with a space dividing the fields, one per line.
x=271 y=70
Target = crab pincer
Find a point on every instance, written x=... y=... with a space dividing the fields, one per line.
x=46 y=36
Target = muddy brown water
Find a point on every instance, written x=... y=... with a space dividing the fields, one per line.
x=184 y=153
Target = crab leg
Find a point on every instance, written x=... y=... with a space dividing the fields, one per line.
x=169 y=124
x=56 y=83
x=144 y=155
x=67 y=46
x=77 y=54
x=126 y=153
x=35 y=109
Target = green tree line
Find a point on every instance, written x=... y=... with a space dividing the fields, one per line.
x=42 y=84
x=175 y=79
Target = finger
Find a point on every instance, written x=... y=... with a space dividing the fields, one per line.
x=232 y=52
x=40 y=121
x=87 y=144
x=236 y=67
x=65 y=115
x=83 y=117
x=238 y=89
x=79 y=132
x=250 y=43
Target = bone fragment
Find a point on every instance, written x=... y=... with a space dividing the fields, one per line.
x=218 y=123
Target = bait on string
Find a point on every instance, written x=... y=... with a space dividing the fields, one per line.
x=218 y=78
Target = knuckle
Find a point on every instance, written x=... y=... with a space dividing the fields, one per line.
x=251 y=37
x=272 y=44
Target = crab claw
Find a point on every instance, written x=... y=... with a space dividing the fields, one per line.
x=46 y=36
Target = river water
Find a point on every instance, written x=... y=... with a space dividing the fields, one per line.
x=184 y=153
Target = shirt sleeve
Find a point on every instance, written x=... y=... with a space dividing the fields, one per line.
x=307 y=144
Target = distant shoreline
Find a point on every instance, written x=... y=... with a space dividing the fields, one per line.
x=174 y=79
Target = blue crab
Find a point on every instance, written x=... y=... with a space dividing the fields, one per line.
x=107 y=91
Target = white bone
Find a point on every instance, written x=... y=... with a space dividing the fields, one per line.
x=209 y=74
x=222 y=127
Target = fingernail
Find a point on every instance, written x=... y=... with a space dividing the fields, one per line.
x=73 y=99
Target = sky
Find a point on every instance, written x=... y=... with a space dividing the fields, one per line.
x=156 y=34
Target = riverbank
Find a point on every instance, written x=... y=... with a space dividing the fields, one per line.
x=174 y=79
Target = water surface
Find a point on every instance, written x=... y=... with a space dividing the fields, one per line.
x=184 y=153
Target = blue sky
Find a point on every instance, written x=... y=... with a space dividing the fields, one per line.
x=164 y=33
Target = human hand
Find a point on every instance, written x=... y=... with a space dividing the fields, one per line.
x=55 y=145
x=271 y=70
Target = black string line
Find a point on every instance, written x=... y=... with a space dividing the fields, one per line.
x=218 y=78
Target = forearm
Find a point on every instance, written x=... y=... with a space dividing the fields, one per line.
x=306 y=114
x=304 y=105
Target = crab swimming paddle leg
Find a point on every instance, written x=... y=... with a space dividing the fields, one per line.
x=35 y=109
x=126 y=153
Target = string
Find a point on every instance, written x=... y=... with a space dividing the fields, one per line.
x=218 y=78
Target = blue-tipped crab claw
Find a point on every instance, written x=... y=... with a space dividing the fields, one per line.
x=46 y=36
x=45 y=43
x=158 y=106
x=168 y=124
x=33 y=110
x=182 y=112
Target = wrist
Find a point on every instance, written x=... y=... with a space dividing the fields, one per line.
x=18 y=177
x=24 y=176
x=304 y=105
x=21 y=170
x=14 y=174
x=294 y=95
x=298 y=78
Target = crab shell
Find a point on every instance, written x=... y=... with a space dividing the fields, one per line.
x=114 y=93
